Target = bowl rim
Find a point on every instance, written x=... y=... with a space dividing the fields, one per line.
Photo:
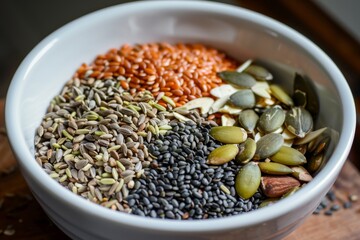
x=325 y=177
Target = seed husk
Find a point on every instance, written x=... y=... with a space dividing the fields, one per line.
x=223 y=154
x=268 y=145
x=271 y=120
x=301 y=174
x=244 y=98
x=228 y=134
x=247 y=180
x=274 y=168
x=288 y=156
x=248 y=119
x=299 y=121
x=279 y=93
x=246 y=151
x=259 y=72
x=315 y=163
x=242 y=79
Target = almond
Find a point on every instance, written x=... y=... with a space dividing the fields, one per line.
x=276 y=186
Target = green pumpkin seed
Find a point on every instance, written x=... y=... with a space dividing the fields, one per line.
x=301 y=174
x=247 y=180
x=228 y=134
x=248 y=119
x=259 y=72
x=223 y=154
x=299 y=121
x=246 y=151
x=239 y=79
x=274 y=168
x=288 y=156
x=268 y=145
x=271 y=120
x=310 y=136
x=279 y=93
x=315 y=163
x=243 y=98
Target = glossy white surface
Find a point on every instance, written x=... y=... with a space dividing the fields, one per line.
x=242 y=34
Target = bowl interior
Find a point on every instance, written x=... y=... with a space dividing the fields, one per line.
x=238 y=32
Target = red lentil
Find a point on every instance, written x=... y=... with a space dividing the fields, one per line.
x=181 y=71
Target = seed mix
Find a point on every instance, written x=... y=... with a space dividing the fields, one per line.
x=137 y=131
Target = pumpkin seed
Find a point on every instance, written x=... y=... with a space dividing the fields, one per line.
x=272 y=119
x=319 y=144
x=223 y=154
x=274 y=168
x=218 y=104
x=227 y=120
x=230 y=110
x=247 y=180
x=245 y=65
x=301 y=174
x=242 y=79
x=243 y=98
x=229 y=134
x=246 y=151
x=261 y=88
x=287 y=135
x=279 y=93
x=299 y=121
x=248 y=119
x=288 y=156
x=315 y=163
x=268 y=145
x=310 y=136
x=203 y=103
x=259 y=72
x=224 y=90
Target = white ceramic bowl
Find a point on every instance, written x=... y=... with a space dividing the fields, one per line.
x=241 y=33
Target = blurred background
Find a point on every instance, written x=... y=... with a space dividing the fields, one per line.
x=24 y=23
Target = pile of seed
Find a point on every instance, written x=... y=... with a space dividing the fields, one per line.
x=181 y=71
x=331 y=203
x=180 y=184
x=92 y=139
